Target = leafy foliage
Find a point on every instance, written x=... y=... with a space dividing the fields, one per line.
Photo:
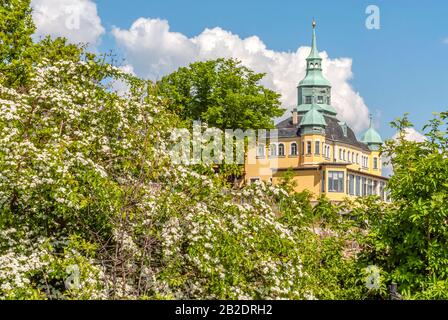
x=409 y=238
x=222 y=93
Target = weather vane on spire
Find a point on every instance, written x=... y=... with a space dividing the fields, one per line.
x=314 y=23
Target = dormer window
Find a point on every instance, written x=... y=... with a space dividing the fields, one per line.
x=308 y=99
x=320 y=99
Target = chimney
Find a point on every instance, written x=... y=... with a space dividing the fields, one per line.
x=295 y=119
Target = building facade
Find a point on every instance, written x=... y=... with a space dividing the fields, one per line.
x=323 y=153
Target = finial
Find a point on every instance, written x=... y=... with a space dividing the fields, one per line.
x=314 y=23
x=370 y=118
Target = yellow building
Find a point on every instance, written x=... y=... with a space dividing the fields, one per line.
x=323 y=152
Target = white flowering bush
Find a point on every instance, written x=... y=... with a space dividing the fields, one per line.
x=33 y=267
x=227 y=246
x=74 y=156
x=86 y=172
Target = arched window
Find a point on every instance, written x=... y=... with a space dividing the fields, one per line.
x=348 y=156
x=260 y=150
x=273 y=149
x=343 y=155
x=293 y=149
x=281 y=149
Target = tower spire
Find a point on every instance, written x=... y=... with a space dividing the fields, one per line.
x=314 y=88
x=314 y=54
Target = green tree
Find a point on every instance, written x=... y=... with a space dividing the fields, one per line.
x=409 y=239
x=16 y=28
x=222 y=93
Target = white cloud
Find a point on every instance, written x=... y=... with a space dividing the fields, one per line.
x=121 y=87
x=445 y=41
x=77 y=20
x=154 y=51
x=411 y=135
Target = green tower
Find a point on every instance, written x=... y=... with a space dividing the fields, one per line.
x=372 y=138
x=314 y=88
x=313 y=122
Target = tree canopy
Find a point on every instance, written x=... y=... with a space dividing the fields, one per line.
x=223 y=93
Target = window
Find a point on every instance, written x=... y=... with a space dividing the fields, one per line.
x=320 y=99
x=383 y=191
x=294 y=149
x=281 y=150
x=348 y=156
x=357 y=158
x=358 y=186
x=369 y=187
x=308 y=147
x=375 y=163
x=364 y=187
x=343 y=155
x=260 y=150
x=364 y=161
x=317 y=148
x=308 y=100
x=336 y=181
x=273 y=149
x=340 y=154
x=254 y=180
x=375 y=187
x=351 y=184
x=303 y=147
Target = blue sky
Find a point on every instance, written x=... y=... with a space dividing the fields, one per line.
x=403 y=67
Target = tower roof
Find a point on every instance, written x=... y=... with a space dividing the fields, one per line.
x=314 y=54
x=314 y=76
x=313 y=117
x=325 y=108
x=371 y=136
